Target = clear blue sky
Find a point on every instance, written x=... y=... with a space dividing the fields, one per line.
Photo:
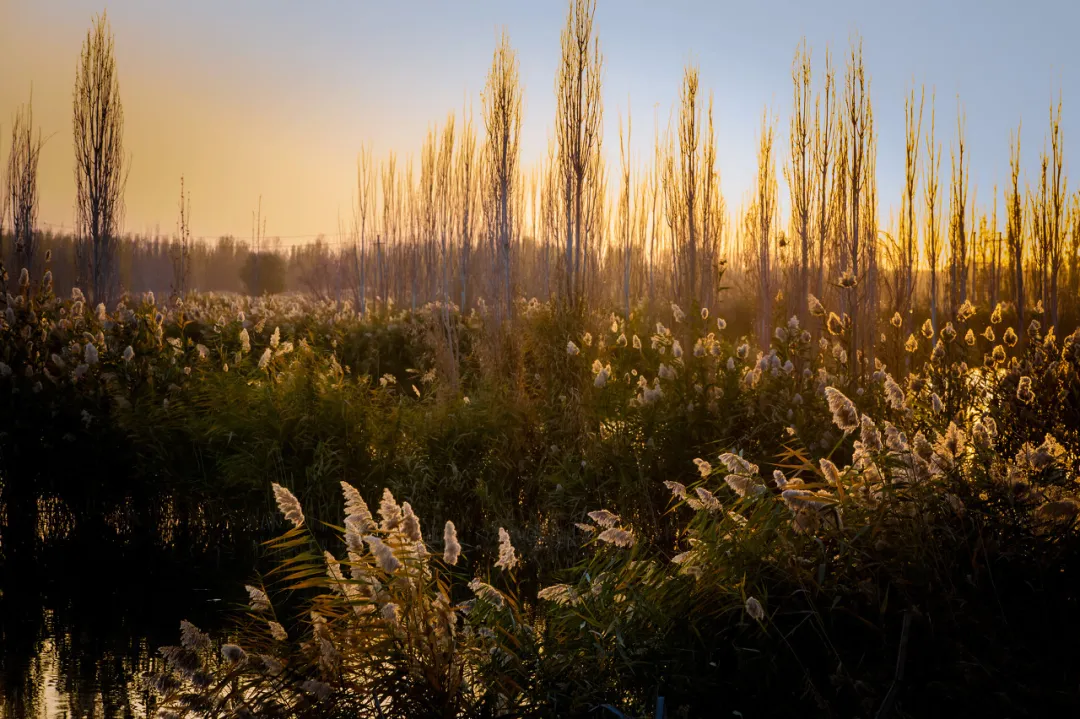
x=275 y=98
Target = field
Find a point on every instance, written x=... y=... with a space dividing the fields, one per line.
x=524 y=448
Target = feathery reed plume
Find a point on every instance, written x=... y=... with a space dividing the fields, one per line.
x=604 y=518
x=383 y=554
x=844 y=414
x=451 y=547
x=192 y=639
x=618 y=536
x=278 y=632
x=389 y=512
x=356 y=509
x=507 y=556
x=832 y=474
x=257 y=599
x=288 y=505
x=411 y=524
x=488 y=593
x=233 y=653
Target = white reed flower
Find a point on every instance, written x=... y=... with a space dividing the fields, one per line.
x=275 y=338
x=618 y=536
x=677 y=488
x=844 y=414
x=245 y=341
x=743 y=485
x=357 y=510
x=202 y=351
x=507 y=555
x=383 y=554
x=650 y=395
x=1024 y=393
x=604 y=518
x=487 y=593
x=737 y=465
x=192 y=639
x=129 y=354
x=391 y=612
x=754 y=609
x=258 y=600
x=894 y=395
x=451 y=547
x=637 y=342
x=572 y=349
x=264 y=360
x=869 y=435
x=411 y=524
x=278 y=632
x=895 y=440
x=703 y=467
x=676 y=349
x=832 y=474
x=233 y=653
x=389 y=512
x=708 y=499
x=561 y=594
x=288 y=505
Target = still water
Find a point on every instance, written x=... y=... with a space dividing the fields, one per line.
x=82 y=614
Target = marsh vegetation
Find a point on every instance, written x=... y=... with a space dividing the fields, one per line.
x=525 y=446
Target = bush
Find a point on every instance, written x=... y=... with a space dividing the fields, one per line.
x=263 y=273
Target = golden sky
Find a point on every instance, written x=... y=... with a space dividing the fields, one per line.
x=273 y=98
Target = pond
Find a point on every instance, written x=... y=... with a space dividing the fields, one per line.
x=82 y=615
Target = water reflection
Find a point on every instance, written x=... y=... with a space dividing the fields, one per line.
x=83 y=609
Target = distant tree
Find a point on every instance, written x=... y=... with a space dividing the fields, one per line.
x=180 y=252
x=1015 y=228
x=578 y=135
x=100 y=174
x=263 y=273
x=502 y=121
x=800 y=173
x=22 y=172
x=933 y=214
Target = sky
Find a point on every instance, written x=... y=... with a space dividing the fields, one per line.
x=274 y=99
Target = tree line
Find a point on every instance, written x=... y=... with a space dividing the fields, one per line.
x=469 y=223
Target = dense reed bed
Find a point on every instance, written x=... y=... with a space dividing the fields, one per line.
x=616 y=510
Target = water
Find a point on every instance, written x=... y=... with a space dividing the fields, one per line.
x=83 y=612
